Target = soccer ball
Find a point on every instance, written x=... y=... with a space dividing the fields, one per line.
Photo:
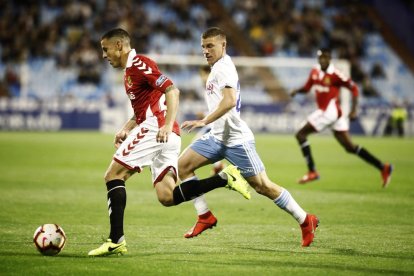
x=49 y=239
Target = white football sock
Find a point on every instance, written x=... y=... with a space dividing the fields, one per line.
x=121 y=239
x=200 y=203
x=286 y=202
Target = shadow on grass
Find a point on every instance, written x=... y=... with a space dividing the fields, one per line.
x=334 y=251
x=81 y=255
x=323 y=268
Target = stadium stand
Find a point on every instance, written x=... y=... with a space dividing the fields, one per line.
x=59 y=40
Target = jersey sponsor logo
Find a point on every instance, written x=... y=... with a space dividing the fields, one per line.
x=143 y=67
x=161 y=80
x=209 y=88
x=321 y=89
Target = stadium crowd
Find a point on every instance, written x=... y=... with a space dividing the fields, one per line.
x=68 y=32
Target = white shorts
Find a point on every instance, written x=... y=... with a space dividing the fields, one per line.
x=321 y=119
x=141 y=149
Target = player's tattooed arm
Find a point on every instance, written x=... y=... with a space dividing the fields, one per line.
x=169 y=88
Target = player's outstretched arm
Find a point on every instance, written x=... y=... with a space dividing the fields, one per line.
x=294 y=92
x=191 y=125
x=353 y=113
x=226 y=104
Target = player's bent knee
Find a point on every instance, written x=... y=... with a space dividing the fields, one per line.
x=350 y=150
x=111 y=176
x=164 y=191
x=300 y=137
x=166 y=201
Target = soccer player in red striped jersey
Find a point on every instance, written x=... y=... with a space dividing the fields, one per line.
x=327 y=81
x=151 y=138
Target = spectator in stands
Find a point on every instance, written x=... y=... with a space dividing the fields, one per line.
x=368 y=90
x=377 y=71
x=4 y=90
x=12 y=81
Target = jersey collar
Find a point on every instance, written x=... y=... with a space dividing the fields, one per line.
x=329 y=70
x=130 y=59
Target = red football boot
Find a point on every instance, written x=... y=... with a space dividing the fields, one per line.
x=386 y=175
x=310 y=176
x=308 y=229
x=204 y=222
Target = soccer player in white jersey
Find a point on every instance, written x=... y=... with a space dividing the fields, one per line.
x=230 y=138
x=150 y=139
x=327 y=81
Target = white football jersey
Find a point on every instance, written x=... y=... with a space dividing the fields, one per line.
x=230 y=129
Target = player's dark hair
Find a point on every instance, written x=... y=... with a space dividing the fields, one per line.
x=324 y=51
x=212 y=32
x=118 y=32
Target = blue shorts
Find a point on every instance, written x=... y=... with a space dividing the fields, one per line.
x=244 y=156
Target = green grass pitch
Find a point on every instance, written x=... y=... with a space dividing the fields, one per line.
x=58 y=178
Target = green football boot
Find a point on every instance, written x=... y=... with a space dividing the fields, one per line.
x=236 y=182
x=109 y=248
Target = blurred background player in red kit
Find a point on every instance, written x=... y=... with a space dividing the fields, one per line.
x=327 y=81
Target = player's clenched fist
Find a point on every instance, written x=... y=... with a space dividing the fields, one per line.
x=120 y=137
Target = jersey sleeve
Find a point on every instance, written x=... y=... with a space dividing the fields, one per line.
x=225 y=78
x=309 y=82
x=346 y=82
x=148 y=69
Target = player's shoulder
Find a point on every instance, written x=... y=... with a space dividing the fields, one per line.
x=314 y=72
x=142 y=64
x=144 y=58
x=224 y=65
x=315 y=69
x=338 y=73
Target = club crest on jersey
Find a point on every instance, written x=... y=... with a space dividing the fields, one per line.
x=327 y=81
x=161 y=80
x=129 y=82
